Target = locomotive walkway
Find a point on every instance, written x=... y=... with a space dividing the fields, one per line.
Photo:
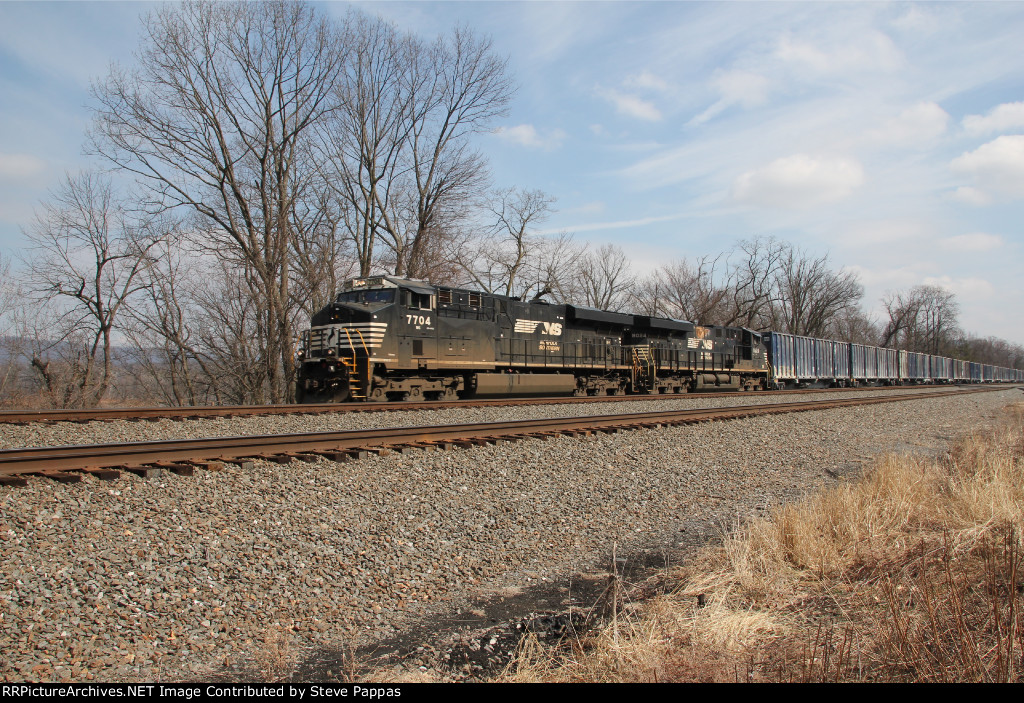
x=227 y=411
x=106 y=461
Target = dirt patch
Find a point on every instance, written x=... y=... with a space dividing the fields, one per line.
x=480 y=638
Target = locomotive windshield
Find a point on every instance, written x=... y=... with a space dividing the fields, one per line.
x=367 y=296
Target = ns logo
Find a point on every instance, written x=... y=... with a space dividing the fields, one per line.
x=553 y=329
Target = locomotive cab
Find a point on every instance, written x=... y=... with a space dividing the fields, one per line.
x=378 y=340
x=334 y=357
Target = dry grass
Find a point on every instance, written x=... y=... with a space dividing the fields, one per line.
x=276 y=659
x=911 y=574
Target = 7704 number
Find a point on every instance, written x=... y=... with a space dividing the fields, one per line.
x=417 y=319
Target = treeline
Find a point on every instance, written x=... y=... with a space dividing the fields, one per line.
x=257 y=154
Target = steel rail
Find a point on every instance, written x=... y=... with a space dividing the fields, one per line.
x=55 y=460
x=203 y=411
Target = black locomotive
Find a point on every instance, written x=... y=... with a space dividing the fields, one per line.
x=387 y=338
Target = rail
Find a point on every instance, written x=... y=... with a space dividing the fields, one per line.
x=182 y=455
x=193 y=412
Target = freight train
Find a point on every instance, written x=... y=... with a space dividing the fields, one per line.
x=389 y=338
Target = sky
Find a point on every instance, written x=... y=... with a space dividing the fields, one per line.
x=889 y=136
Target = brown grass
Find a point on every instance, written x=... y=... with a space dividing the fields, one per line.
x=911 y=574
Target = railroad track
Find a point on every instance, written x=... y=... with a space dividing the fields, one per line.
x=205 y=411
x=106 y=461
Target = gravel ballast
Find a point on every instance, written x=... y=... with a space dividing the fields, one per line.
x=174 y=578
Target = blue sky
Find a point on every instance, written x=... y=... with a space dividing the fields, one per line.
x=888 y=135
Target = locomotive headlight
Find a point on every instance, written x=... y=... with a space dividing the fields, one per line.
x=330 y=352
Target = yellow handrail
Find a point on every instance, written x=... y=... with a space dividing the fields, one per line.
x=355 y=367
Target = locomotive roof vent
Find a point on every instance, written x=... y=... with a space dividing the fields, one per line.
x=414 y=285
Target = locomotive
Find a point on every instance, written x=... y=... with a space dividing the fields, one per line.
x=390 y=338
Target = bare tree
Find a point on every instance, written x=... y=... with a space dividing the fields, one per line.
x=923 y=319
x=810 y=295
x=512 y=258
x=991 y=350
x=602 y=279
x=9 y=342
x=162 y=328
x=212 y=119
x=364 y=143
x=939 y=310
x=852 y=325
x=87 y=254
x=323 y=254
x=752 y=275
x=902 y=309
x=684 y=290
x=456 y=87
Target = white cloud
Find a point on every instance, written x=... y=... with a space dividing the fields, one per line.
x=594 y=207
x=15 y=167
x=916 y=20
x=1002 y=118
x=970 y=288
x=631 y=105
x=869 y=51
x=799 y=181
x=528 y=136
x=905 y=233
x=975 y=241
x=622 y=224
x=735 y=87
x=742 y=87
x=971 y=196
x=883 y=278
x=919 y=123
x=645 y=80
x=996 y=166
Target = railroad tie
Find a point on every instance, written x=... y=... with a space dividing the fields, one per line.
x=208 y=465
x=342 y=455
x=272 y=458
x=103 y=474
x=62 y=476
x=144 y=471
x=179 y=469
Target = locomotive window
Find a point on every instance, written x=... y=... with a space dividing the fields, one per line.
x=444 y=296
x=418 y=301
x=367 y=296
x=475 y=299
